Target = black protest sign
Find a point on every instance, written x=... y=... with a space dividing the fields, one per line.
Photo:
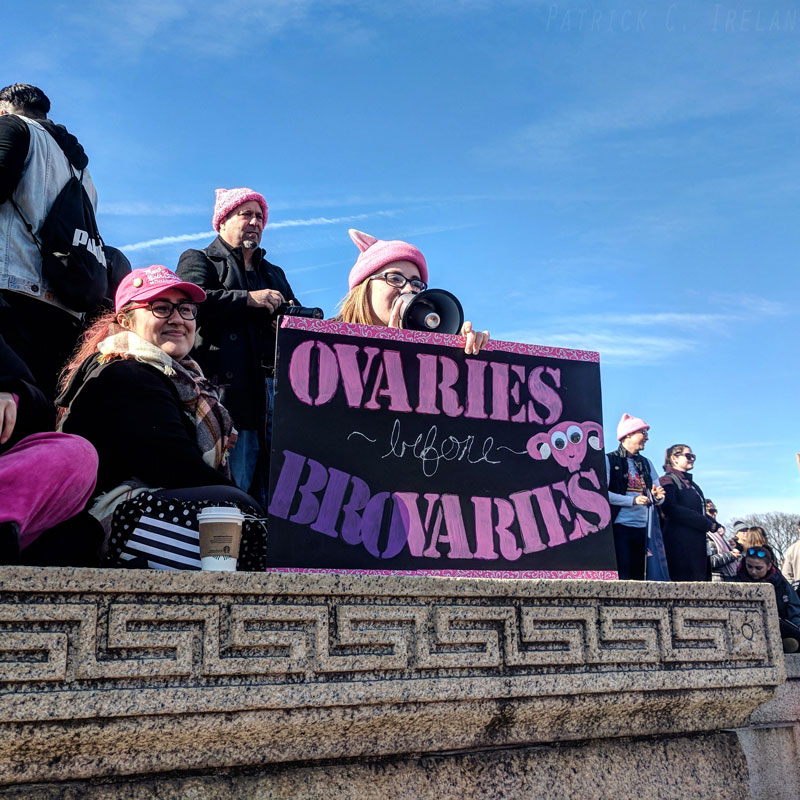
x=394 y=451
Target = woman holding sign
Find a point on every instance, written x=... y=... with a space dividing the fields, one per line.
x=382 y=274
x=157 y=424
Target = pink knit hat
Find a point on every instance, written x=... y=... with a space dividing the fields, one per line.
x=229 y=199
x=628 y=425
x=146 y=283
x=377 y=253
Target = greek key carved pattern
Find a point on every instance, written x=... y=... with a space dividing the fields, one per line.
x=211 y=638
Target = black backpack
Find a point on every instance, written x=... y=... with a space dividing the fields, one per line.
x=73 y=261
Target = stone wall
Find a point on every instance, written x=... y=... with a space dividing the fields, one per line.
x=771 y=742
x=264 y=678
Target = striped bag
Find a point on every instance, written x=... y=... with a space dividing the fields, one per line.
x=151 y=532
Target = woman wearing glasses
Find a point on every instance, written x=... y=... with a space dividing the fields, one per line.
x=383 y=272
x=135 y=394
x=759 y=566
x=686 y=523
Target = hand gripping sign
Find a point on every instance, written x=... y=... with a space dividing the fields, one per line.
x=393 y=451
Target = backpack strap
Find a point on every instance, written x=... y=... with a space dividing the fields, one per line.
x=27 y=225
x=675 y=479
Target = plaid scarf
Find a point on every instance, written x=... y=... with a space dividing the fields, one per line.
x=722 y=546
x=212 y=423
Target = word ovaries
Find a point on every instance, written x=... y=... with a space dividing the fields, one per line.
x=383 y=376
x=332 y=502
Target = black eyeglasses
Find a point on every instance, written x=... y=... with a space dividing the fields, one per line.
x=398 y=281
x=689 y=456
x=755 y=551
x=163 y=309
x=712 y=510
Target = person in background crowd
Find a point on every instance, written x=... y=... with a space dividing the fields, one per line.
x=759 y=567
x=383 y=272
x=791 y=561
x=134 y=392
x=686 y=521
x=754 y=536
x=736 y=529
x=711 y=510
x=632 y=490
x=36 y=161
x=723 y=559
x=46 y=478
x=237 y=324
x=118 y=268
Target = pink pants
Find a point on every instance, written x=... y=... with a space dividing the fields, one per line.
x=45 y=479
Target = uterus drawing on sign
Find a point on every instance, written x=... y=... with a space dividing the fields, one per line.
x=567 y=443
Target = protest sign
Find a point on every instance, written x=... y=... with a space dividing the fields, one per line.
x=394 y=451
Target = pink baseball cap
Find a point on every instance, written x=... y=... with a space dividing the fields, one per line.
x=146 y=283
x=227 y=200
x=377 y=253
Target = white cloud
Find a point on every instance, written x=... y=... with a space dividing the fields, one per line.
x=287 y=223
x=613 y=348
x=562 y=136
x=645 y=338
x=146 y=209
x=184 y=237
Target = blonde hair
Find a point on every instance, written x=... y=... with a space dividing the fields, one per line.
x=356 y=306
x=753 y=537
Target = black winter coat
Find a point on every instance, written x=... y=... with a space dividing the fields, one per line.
x=34 y=412
x=234 y=343
x=132 y=414
x=685 y=528
x=785 y=596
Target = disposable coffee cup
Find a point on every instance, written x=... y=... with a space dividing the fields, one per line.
x=220 y=537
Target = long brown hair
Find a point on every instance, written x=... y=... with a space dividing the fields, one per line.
x=356 y=307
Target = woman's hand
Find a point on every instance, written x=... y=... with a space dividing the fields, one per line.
x=658 y=492
x=8 y=416
x=394 y=316
x=475 y=339
x=641 y=500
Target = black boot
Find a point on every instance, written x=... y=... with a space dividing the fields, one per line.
x=9 y=543
x=72 y=543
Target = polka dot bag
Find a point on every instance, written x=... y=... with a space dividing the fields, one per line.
x=162 y=533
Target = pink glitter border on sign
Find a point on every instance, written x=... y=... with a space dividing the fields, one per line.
x=577 y=574
x=444 y=339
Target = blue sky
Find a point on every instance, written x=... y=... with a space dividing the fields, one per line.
x=612 y=176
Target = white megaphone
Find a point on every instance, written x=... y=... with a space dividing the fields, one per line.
x=432 y=311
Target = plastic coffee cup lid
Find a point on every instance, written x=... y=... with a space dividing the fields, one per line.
x=220 y=514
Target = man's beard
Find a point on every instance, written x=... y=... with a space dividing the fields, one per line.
x=249 y=244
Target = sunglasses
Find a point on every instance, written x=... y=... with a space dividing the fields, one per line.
x=689 y=456
x=755 y=551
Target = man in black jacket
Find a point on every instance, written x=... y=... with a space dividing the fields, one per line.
x=235 y=343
